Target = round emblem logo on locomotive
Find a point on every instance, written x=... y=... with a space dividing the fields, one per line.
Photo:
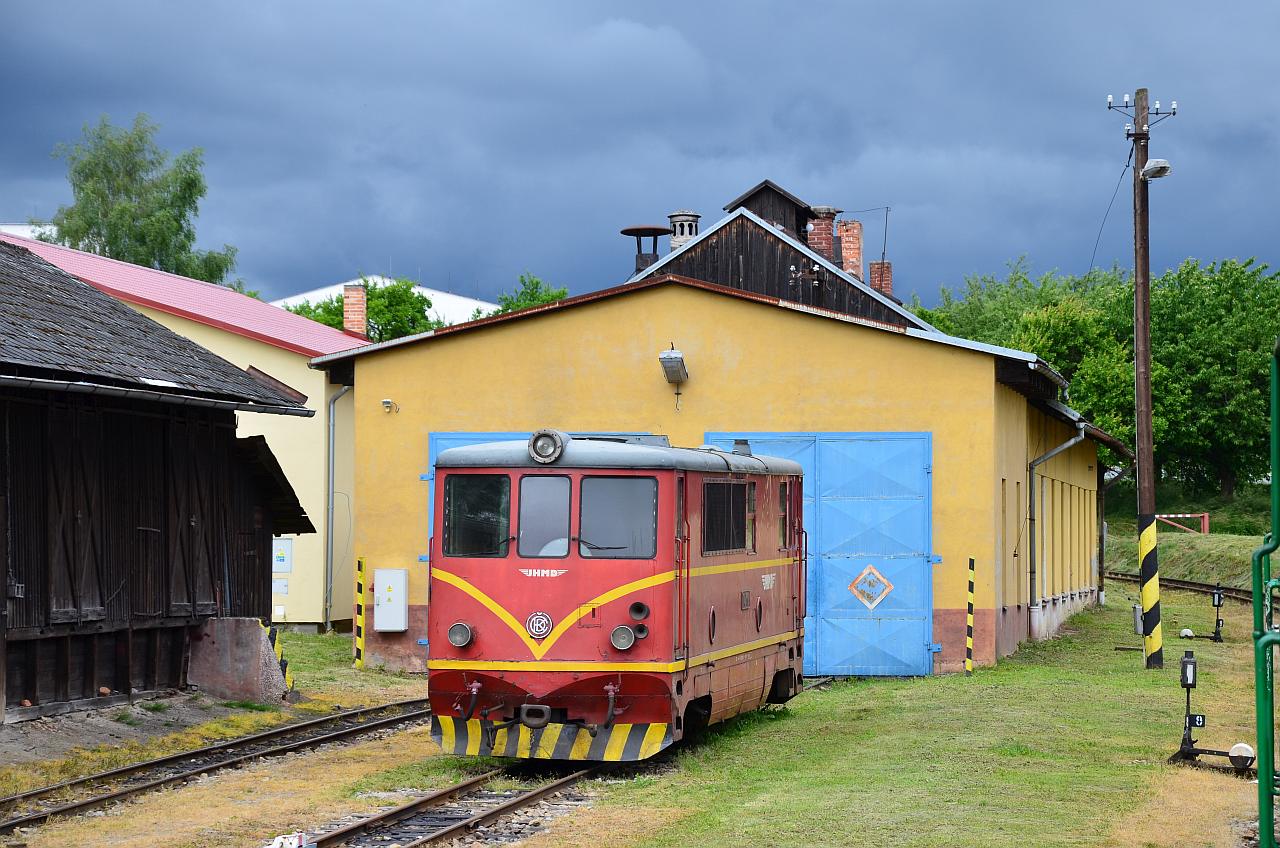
x=539 y=625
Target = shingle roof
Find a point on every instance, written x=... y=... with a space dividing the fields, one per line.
x=55 y=327
x=205 y=303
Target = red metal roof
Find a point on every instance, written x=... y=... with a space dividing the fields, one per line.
x=204 y=303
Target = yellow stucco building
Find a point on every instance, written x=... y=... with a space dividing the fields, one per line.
x=275 y=346
x=916 y=447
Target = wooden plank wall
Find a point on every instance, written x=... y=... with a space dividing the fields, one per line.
x=745 y=256
x=127 y=524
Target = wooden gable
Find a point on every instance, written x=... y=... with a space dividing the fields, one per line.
x=749 y=257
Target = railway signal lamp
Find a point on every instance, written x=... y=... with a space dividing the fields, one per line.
x=1217 y=614
x=1188 y=676
x=1241 y=755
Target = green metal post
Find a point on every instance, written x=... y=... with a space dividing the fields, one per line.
x=1265 y=638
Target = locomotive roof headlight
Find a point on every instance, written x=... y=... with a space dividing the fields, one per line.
x=460 y=634
x=545 y=446
x=622 y=637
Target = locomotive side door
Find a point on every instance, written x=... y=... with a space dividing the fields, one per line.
x=680 y=606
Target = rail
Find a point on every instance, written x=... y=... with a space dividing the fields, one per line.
x=1244 y=596
x=185 y=765
x=433 y=818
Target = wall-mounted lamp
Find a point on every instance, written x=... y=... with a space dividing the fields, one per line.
x=674 y=369
x=388 y=405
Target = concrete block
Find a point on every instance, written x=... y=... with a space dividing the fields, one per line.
x=232 y=658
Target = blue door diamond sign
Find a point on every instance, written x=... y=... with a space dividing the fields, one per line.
x=871 y=587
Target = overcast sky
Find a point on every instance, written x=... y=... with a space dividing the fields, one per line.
x=464 y=143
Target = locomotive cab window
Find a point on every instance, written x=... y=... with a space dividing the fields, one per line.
x=544 y=516
x=728 y=516
x=477 y=515
x=619 y=518
x=784 y=526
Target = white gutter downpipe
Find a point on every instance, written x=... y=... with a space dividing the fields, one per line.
x=1034 y=605
x=328 y=527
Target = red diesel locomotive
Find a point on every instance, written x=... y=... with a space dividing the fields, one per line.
x=599 y=599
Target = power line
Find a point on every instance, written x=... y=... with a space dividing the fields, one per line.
x=1101 y=226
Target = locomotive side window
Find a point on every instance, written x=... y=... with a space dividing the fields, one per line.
x=619 y=518
x=783 y=506
x=728 y=516
x=544 y=516
x=477 y=515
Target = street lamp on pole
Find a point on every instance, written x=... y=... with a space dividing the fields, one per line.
x=1145 y=170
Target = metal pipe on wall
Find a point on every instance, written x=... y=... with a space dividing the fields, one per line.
x=1034 y=601
x=328 y=526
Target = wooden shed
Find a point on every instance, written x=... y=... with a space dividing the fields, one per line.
x=129 y=510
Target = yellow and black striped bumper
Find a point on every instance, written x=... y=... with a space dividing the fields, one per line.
x=618 y=743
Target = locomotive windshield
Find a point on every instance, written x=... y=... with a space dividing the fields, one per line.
x=544 y=517
x=619 y=518
x=477 y=515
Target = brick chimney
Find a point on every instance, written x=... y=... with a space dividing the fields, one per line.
x=882 y=277
x=850 y=234
x=354 y=312
x=822 y=236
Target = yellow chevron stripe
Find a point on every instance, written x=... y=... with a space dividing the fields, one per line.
x=1146 y=541
x=581 y=745
x=547 y=744
x=652 y=742
x=1150 y=593
x=446 y=735
x=523 y=742
x=540 y=650
x=571 y=665
x=499 y=742
x=473 y=736
x=1154 y=642
x=617 y=741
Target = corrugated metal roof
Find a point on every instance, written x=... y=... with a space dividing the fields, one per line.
x=54 y=326
x=204 y=303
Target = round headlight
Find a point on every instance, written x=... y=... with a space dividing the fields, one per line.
x=622 y=637
x=460 y=634
x=546 y=446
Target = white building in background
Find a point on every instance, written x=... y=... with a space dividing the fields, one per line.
x=445 y=306
x=31 y=231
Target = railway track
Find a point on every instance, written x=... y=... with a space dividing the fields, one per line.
x=450 y=813
x=36 y=806
x=1242 y=595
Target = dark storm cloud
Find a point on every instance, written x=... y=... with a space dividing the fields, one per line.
x=466 y=143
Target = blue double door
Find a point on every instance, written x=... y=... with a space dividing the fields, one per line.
x=867 y=510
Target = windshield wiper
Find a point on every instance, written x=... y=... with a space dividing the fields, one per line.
x=501 y=549
x=596 y=547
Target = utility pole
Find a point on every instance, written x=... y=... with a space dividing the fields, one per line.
x=1149 y=571
x=1149 y=575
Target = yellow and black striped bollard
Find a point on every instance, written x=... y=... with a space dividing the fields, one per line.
x=968 y=632
x=359 y=640
x=1149 y=577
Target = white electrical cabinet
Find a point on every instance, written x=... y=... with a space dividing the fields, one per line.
x=390 y=600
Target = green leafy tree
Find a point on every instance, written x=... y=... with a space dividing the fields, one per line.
x=132 y=203
x=393 y=310
x=1212 y=328
x=532 y=291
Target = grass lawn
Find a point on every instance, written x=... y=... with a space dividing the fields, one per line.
x=323 y=671
x=1062 y=744
x=1186 y=556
